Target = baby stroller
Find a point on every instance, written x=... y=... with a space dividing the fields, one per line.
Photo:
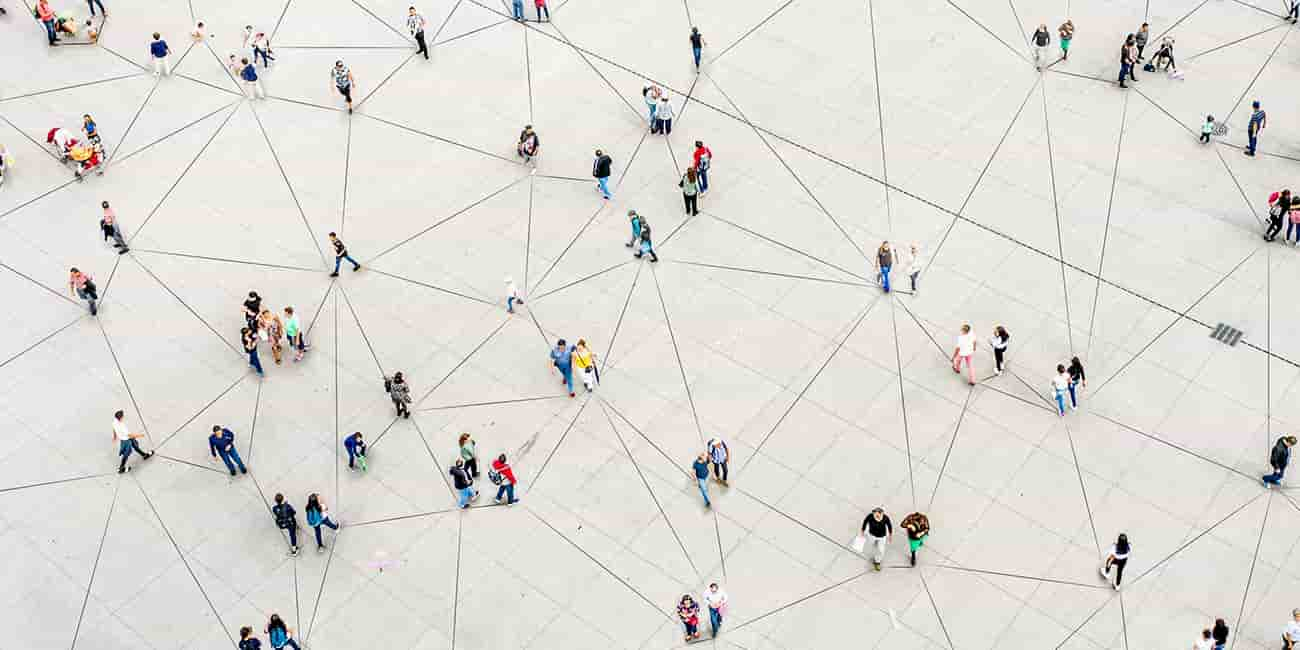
x=61 y=142
x=87 y=157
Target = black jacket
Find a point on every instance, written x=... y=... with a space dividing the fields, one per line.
x=1281 y=455
x=460 y=478
x=285 y=515
x=600 y=169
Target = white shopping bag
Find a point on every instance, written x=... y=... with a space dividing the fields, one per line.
x=859 y=543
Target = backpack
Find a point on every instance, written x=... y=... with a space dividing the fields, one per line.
x=278 y=636
x=1279 y=456
x=496 y=477
x=314 y=518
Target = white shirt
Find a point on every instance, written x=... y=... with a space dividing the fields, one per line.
x=1060 y=383
x=915 y=264
x=715 y=599
x=120 y=432
x=665 y=111
x=1292 y=631
x=1203 y=644
x=1124 y=556
x=965 y=344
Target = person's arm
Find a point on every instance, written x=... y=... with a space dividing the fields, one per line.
x=864 y=524
x=889 y=528
x=212 y=446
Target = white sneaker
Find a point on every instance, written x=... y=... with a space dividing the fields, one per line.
x=1073 y=407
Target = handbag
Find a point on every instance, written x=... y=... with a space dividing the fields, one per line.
x=859 y=543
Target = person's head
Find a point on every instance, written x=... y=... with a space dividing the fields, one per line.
x=397 y=376
x=695 y=30
x=333 y=236
x=288 y=310
x=459 y=463
x=699 y=144
x=244 y=61
x=463 y=438
x=877 y=513
x=1286 y=193
x=103 y=204
x=631 y=214
x=118 y=415
x=686 y=599
x=313 y=501
x=560 y=344
x=1042 y=26
x=1289 y=440
x=216 y=428
x=703 y=458
x=253 y=295
x=884 y=245
x=1255 y=104
x=528 y=128
x=690 y=174
x=276 y=621
x=248 y=28
x=501 y=459
x=74 y=270
x=156 y=36
x=1209 y=118
x=266 y=313
x=599 y=153
x=1121 y=543
x=999 y=331
x=338 y=65
x=713 y=586
x=356 y=435
x=582 y=343
x=279 y=498
x=1060 y=369
x=245 y=632
x=1145 y=26
x=1205 y=634
x=1075 y=363
x=1295 y=613
x=1218 y=622
x=411 y=11
x=914 y=249
x=199 y=24
x=1129 y=40
x=965 y=329
x=86 y=118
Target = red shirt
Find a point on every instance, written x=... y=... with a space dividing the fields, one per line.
x=701 y=152
x=43 y=10
x=504 y=469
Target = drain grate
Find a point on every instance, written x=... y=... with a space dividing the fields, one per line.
x=1225 y=333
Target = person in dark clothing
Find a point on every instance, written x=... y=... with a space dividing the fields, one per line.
x=884 y=262
x=247 y=641
x=1077 y=377
x=286 y=519
x=879 y=530
x=1117 y=558
x=600 y=169
x=697 y=46
x=701 y=468
x=1140 y=39
x=400 y=392
x=355 y=445
x=917 y=526
x=1278 y=211
x=222 y=443
x=1278 y=459
x=1125 y=65
x=252 y=307
x=248 y=336
x=1258 y=120
x=1001 y=338
x=1220 y=634
x=647 y=247
x=464 y=484
x=340 y=254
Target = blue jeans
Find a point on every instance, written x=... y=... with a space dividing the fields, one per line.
x=1291 y=225
x=1275 y=478
x=654 y=108
x=1074 y=398
x=884 y=278
x=510 y=304
x=92 y=4
x=293 y=536
x=1060 y=401
x=567 y=371
x=603 y=182
x=508 y=489
x=353 y=454
x=715 y=620
x=517 y=8
x=703 y=175
x=463 y=495
x=695 y=51
x=324 y=522
x=257 y=51
x=49 y=30
x=704 y=488
x=255 y=362
x=340 y=258
x=228 y=456
x=1124 y=69
x=1254 y=140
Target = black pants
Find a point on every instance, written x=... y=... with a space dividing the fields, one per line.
x=471 y=467
x=419 y=39
x=997 y=356
x=540 y=9
x=691 y=207
x=1274 y=227
x=1119 y=570
x=402 y=410
x=1140 y=48
x=1205 y=137
x=135 y=446
x=720 y=471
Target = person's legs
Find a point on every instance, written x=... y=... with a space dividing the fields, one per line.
x=319 y=543
x=548 y=12
x=715 y=620
x=1123 y=73
x=462 y=497
x=49 y=31
x=1250 y=148
x=424 y=48
x=695 y=52
x=238 y=461
x=90 y=298
x=997 y=359
x=539 y=14
x=121 y=467
x=603 y=182
x=225 y=458
x=884 y=278
x=471 y=467
x=293 y=536
x=352 y=457
x=568 y=378
x=1074 y=396
x=704 y=489
x=692 y=204
x=355 y=265
x=290 y=643
x=704 y=179
x=878 y=550
x=1060 y=403
x=255 y=362
x=117 y=237
x=135 y=446
x=913 y=276
x=970 y=368
x=668 y=126
x=1119 y=571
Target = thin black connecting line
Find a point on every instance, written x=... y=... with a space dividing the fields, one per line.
x=357 y=319
x=935 y=606
x=455 y=599
x=584 y=279
x=1056 y=209
x=1259 y=72
x=1105 y=233
x=433 y=286
x=785 y=246
x=1178 y=22
x=383 y=81
x=37 y=344
x=1078 y=469
x=383 y=22
x=528 y=236
x=83 y=84
x=203 y=410
x=73 y=479
x=751 y=30
x=1234 y=42
x=583 y=56
x=445 y=219
x=801 y=599
x=94 y=568
x=1014 y=50
x=125 y=384
x=792 y=276
x=677 y=353
x=1241 y=611
x=287 y=267
x=537 y=478
x=438 y=466
x=493 y=403
x=34 y=281
x=902 y=401
x=951 y=443
x=186 y=305
x=880 y=113
x=347 y=175
x=288 y=184
x=117 y=161
x=528 y=75
x=613 y=338
x=595 y=213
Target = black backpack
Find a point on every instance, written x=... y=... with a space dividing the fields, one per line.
x=1279 y=456
x=645 y=230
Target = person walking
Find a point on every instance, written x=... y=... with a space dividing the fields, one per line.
x=249 y=338
x=109 y=226
x=697 y=46
x=506 y=480
x=701 y=467
x=690 y=185
x=83 y=286
x=1205 y=641
x=964 y=351
x=1279 y=208
x=317 y=516
x=915 y=264
x=1140 y=39
x=703 y=159
x=1117 y=558
x=1125 y=63
x=469 y=454
x=293 y=329
x=222 y=444
x=917 y=526
x=585 y=361
x=636 y=222
x=464 y=484
x=647 y=247
x=1060 y=384
x=1041 y=39
x=1291 y=633
x=159 y=51
x=600 y=169
x=340 y=254
x=272 y=329
x=247 y=641
x=880 y=531
x=262 y=48
x=688 y=612
x=1278 y=459
x=517 y=9
x=280 y=634
x=651 y=95
x=719 y=455
x=355 y=445
x=400 y=392
x=512 y=296
x=884 y=262
x=1077 y=378
x=999 y=344
x=127 y=442
x=1207 y=129
x=248 y=72
x=663 y=116
x=1258 y=120
x=1293 y=222
x=1220 y=634
x=252 y=309
x=286 y=519
x=562 y=359
x=1064 y=34
x=415 y=24
x=716 y=600
x=46 y=15
x=344 y=82
x=541 y=7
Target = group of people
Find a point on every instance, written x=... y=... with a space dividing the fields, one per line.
x=565 y=358
x=286 y=519
x=1282 y=207
x=262 y=325
x=63 y=26
x=885 y=260
x=688 y=611
x=878 y=530
x=86 y=153
x=715 y=453
x=465 y=472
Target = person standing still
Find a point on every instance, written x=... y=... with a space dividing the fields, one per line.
x=880 y=531
x=517 y=9
x=1060 y=384
x=344 y=82
x=400 y=392
x=469 y=454
x=355 y=445
x=1258 y=120
x=651 y=94
x=1117 y=558
x=663 y=116
x=293 y=329
x=108 y=224
x=83 y=286
x=703 y=158
x=600 y=170
x=1278 y=459
x=286 y=519
x=340 y=254
x=701 y=467
x=964 y=352
x=884 y=262
x=690 y=185
x=562 y=359
x=1220 y=634
x=719 y=455
x=999 y=344
x=159 y=51
x=1140 y=39
x=1131 y=44
x=1125 y=65
x=222 y=444
x=46 y=15
x=1064 y=34
x=697 y=46
x=1041 y=40
x=415 y=24
x=248 y=336
x=541 y=6
x=127 y=442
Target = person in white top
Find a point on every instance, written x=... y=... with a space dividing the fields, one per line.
x=126 y=441
x=1117 y=558
x=963 y=352
x=999 y=343
x=716 y=600
x=1205 y=642
x=1060 y=384
x=914 y=265
x=663 y=116
x=512 y=295
x=1291 y=633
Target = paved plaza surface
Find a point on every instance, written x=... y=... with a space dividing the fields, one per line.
x=1085 y=219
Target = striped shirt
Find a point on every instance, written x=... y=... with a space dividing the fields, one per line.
x=341 y=76
x=415 y=23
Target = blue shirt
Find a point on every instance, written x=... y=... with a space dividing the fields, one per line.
x=351 y=442
x=701 y=469
x=1256 y=121
x=158 y=48
x=218 y=443
x=562 y=358
x=249 y=73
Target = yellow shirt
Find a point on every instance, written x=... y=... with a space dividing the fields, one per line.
x=582 y=359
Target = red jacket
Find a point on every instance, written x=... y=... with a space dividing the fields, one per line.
x=504 y=470
x=702 y=151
